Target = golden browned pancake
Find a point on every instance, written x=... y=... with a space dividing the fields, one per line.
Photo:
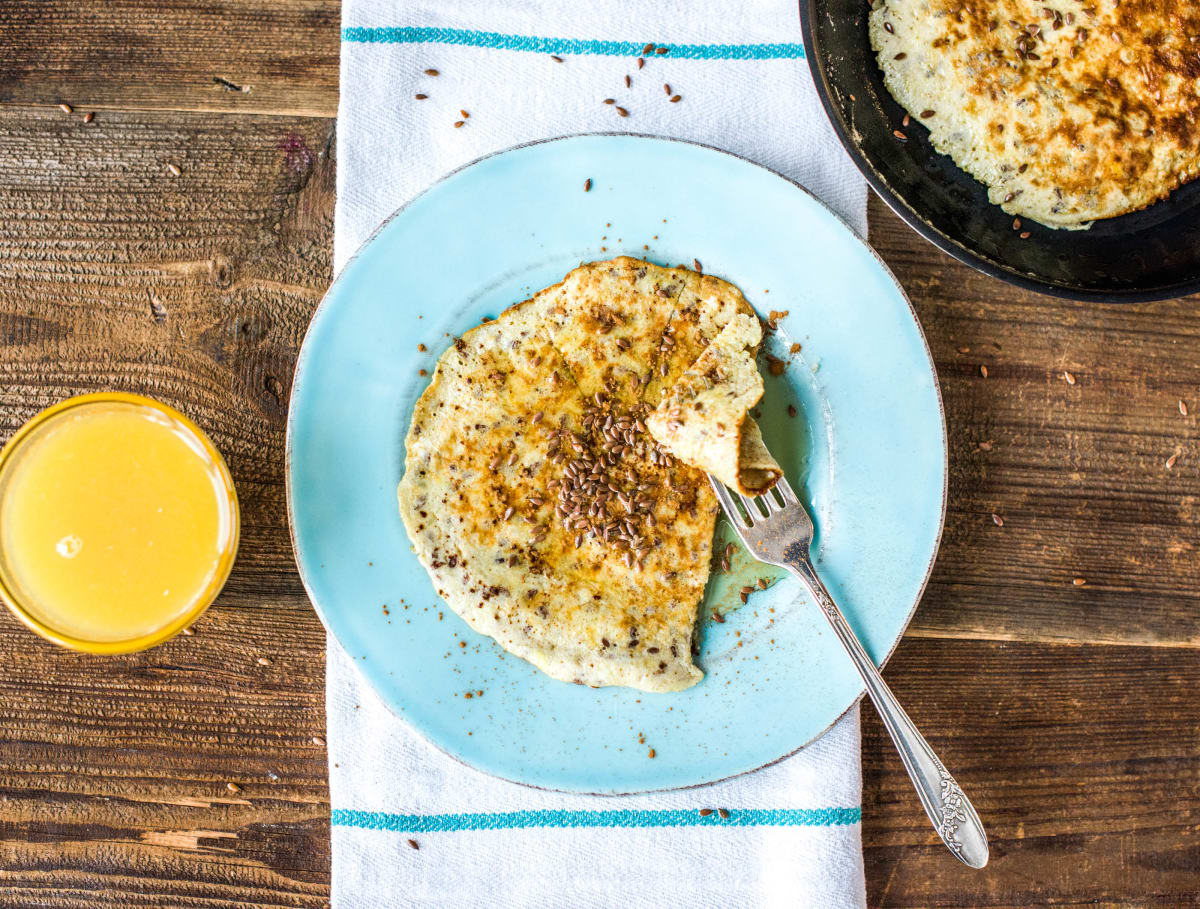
x=1069 y=111
x=544 y=512
x=704 y=419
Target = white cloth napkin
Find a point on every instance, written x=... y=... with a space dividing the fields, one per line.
x=793 y=835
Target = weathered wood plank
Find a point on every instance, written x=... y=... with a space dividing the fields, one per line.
x=1081 y=761
x=1077 y=472
x=222 y=55
x=195 y=289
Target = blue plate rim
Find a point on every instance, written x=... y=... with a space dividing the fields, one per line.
x=305 y=353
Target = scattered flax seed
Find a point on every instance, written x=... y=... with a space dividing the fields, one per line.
x=641 y=62
x=628 y=81
x=899 y=135
x=675 y=99
x=432 y=72
x=610 y=100
x=187 y=632
x=907 y=120
x=697 y=266
x=725 y=565
x=723 y=814
x=1024 y=235
x=651 y=753
x=748 y=589
x=985 y=446
x=1079 y=582
x=648 y=49
x=1183 y=408
x=705 y=812
x=66 y=108
x=926 y=114
x=660 y=50
x=174 y=170
x=1016 y=223
x=997 y=520
x=622 y=112
x=667 y=89
x=509 y=512
x=422 y=348
x=1171 y=460
x=458 y=124
x=1070 y=378
x=556 y=58
x=414 y=844
x=744 y=596
x=792 y=410
x=317 y=740
x=729 y=550
x=420 y=96
x=89 y=116
x=718 y=618
x=964 y=350
x=762 y=583
x=587 y=185
x=983 y=371
x=889 y=28
x=422 y=372
x=263 y=661
x=233 y=787
x=465 y=115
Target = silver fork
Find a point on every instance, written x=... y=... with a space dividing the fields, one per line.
x=781 y=535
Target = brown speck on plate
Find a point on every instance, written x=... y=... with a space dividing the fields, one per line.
x=432 y=72
x=587 y=185
x=623 y=112
x=556 y=58
x=420 y=96
x=651 y=753
x=413 y=844
x=676 y=99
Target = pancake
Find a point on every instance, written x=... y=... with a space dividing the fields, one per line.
x=704 y=418
x=546 y=515
x=1068 y=112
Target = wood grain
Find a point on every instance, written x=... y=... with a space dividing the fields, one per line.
x=209 y=55
x=1068 y=712
x=1077 y=472
x=1081 y=761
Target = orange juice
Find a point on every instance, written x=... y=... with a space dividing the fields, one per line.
x=118 y=523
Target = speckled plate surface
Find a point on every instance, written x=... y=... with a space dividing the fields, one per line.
x=867 y=448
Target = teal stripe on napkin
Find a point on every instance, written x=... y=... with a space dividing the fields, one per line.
x=738 y=817
x=499 y=41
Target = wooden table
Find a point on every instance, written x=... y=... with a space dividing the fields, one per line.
x=194 y=774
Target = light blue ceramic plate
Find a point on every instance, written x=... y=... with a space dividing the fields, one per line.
x=868 y=449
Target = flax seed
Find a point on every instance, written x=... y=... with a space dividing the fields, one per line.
x=587 y=185
x=675 y=99
x=175 y=170
x=997 y=520
x=432 y=72
x=723 y=814
x=1070 y=378
x=1183 y=408
x=66 y=108
x=622 y=112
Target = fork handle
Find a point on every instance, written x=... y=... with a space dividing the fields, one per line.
x=951 y=812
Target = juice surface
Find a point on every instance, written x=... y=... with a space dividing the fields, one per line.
x=113 y=521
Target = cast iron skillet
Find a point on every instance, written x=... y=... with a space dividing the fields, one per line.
x=1152 y=254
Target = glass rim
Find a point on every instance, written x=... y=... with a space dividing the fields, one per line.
x=224 y=565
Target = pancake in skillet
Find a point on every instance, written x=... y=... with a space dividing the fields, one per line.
x=545 y=513
x=1069 y=111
